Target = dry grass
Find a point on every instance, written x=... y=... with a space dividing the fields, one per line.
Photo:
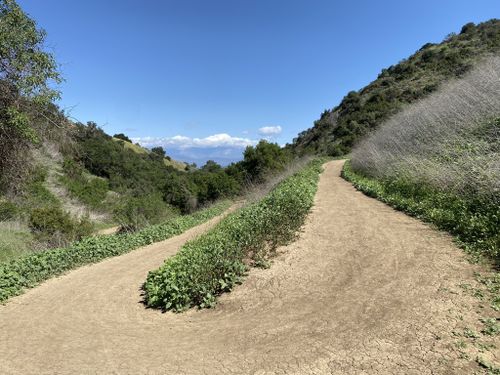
x=449 y=140
x=255 y=192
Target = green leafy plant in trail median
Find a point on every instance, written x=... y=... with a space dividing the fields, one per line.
x=474 y=221
x=216 y=261
x=29 y=271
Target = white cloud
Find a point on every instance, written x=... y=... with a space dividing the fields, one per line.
x=181 y=142
x=270 y=130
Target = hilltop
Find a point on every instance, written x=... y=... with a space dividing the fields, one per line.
x=414 y=78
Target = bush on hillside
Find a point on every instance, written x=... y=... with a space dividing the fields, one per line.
x=137 y=212
x=263 y=159
x=123 y=137
x=55 y=226
x=81 y=185
x=8 y=210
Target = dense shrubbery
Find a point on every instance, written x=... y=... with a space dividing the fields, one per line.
x=411 y=79
x=88 y=189
x=28 y=271
x=54 y=226
x=8 y=210
x=214 y=262
x=134 y=175
x=474 y=220
x=135 y=213
x=263 y=159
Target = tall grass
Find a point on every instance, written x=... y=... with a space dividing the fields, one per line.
x=450 y=140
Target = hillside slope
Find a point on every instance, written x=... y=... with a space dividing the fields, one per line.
x=361 y=111
x=168 y=161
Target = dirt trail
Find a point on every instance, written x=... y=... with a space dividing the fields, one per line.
x=365 y=290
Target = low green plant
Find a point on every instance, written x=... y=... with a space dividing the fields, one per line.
x=474 y=221
x=491 y=326
x=216 y=261
x=28 y=271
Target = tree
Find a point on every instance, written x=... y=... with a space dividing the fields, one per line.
x=24 y=65
x=159 y=151
x=263 y=159
x=123 y=137
x=211 y=166
x=27 y=74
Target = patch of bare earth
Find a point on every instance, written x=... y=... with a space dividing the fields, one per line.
x=364 y=290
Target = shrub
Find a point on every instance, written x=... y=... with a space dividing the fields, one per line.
x=140 y=211
x=158 y=151
x=30 y=270
x=123 y=137
x=8 y=210
x=214 y=262
x=54 y=225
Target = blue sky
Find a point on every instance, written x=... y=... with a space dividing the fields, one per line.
x=202 y=77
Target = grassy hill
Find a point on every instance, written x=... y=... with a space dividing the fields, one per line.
x=168 y=161
x=412 y=79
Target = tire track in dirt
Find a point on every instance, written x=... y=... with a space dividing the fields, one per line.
x=364 y=290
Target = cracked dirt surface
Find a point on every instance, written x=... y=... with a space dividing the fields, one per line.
x=364 y=290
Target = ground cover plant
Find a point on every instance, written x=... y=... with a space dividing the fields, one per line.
x=216 y=261
x=28 y=271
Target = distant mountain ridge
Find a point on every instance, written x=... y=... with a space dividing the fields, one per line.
x=338 y=129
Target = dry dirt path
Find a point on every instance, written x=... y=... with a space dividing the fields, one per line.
x=365 y=290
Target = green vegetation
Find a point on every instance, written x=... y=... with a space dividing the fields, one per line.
x=53 y=225
x=216 y=261
x=28 y=271
x=14 y=242
x=138 y=212
x=406 y=82
x=88 y=189
x=472 y=220
x=122 y=137
x=133 y=174
x=26 y=74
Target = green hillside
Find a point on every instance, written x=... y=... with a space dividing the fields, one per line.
x=169 y=162
x=361 y=111
x=61 y=181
